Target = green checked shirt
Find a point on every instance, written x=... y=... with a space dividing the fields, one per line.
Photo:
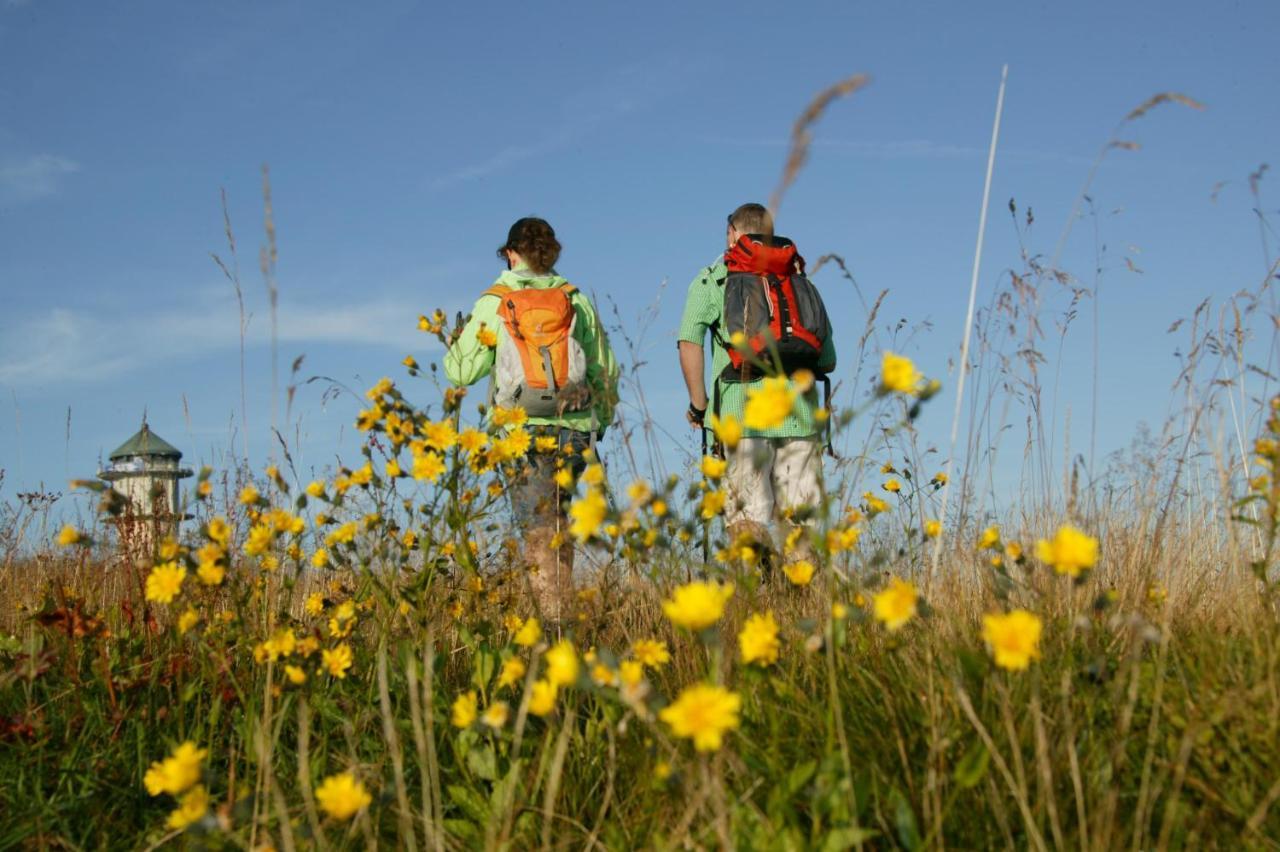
x=704 y=308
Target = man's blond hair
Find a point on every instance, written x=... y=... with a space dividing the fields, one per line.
x=752 y=219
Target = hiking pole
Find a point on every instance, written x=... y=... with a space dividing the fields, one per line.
x=968 y=326
x=706 y=530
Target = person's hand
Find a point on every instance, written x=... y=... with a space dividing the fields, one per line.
x=574 y=398
x=696 y=417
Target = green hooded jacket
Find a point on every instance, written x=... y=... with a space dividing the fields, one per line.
x=468 y=360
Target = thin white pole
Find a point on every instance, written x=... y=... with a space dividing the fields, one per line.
x=968 y=320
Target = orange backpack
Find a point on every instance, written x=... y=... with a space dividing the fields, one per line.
x=538 y=362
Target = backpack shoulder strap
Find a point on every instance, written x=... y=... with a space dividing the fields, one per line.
x=567 y=288
x=498 y=290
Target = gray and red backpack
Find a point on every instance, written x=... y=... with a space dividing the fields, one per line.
x=777 y=311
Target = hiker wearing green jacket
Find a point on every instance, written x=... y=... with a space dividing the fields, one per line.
x=541 y=342
x=775 y=471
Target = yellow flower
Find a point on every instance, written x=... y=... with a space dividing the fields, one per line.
x=496 y=714
x=315 y=604
x=69 y=536
x=651 y=652
x=189 y=619
x=249 y=495
x=342 y=796
x=542 y=698
x=874 y=504
x=472 y=440
x=362 y=476
x=383 y=387
x=295 y=674
x=939 y=478
x=893 y=486
x=204 y=489
x=316 y=488
x=899 y=375
x=513 y=446
x=990 y=538
x=932 y=527
x=639 y=492
x=512 y=671
x=896 y=605
x=658 y=507
x=588 y=513
x=1013 y=639
x=281 y=644
x=697 y=605
x=427 y=466
x=175 y=773
x=712 y=504
x=440 y=436
x=546 y=443
x=769 y=403
x=593 y=474
x=343 y=619
x=320 y=558
x=337 y=661
x=843 y=539
x=799 y=572
x=508 y=416
x=165 y=582
x=528 y=634
x=487 y=337
x=703 y=713
x=1069 y=552
x=727 y=429
x=464 y=710
x=393 y=468
x=758 y=640
x=1013 y=551
x=631 y=672
x=839 y=611
x=260 y=538
x=713 y=468
x=602 y=675
x=219 y=530
x=562 y=664
x=192 y=807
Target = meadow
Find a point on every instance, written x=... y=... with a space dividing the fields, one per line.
x=354 y=661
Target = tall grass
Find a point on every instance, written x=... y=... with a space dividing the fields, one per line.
x=1148 y=720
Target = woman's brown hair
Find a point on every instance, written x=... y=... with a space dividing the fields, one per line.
x=535 y=241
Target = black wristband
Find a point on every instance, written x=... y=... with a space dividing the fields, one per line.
x=697 y=414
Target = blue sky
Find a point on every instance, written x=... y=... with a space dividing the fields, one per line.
x=403 y=138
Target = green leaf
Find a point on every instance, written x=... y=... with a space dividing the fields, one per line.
x=846 y=838
x=972 y=767
x=904 y=821
x=483 y=763
x=469 y=801
x=485 y=664
x=462 y=829
x=799 y=776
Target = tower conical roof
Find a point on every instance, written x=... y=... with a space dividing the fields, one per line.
x=146 y=443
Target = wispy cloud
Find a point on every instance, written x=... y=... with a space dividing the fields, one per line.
x=34 y=177
x=65 y=345
x=628 y=89
x=922 y=149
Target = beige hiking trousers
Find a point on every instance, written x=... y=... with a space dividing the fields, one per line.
x=767 y=476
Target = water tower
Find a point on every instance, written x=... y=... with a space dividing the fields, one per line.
x=145 y=471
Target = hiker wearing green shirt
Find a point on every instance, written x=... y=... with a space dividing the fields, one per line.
x=540 y=340
x=776 y=323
